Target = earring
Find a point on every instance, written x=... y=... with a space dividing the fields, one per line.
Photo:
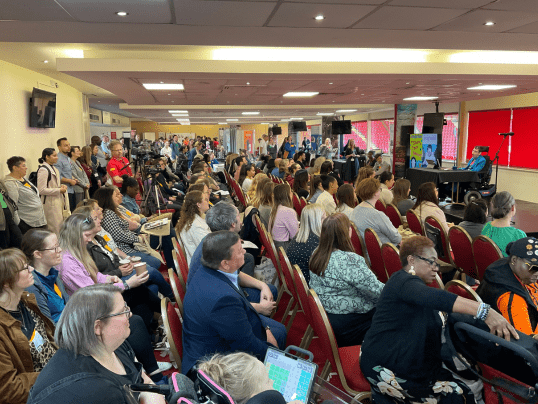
x=412 y=270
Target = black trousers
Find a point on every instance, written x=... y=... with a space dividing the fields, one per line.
x=12 y=235
x=350 y=329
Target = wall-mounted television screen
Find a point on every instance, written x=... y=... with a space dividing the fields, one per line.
x=277 y=130
x=298 y=126
x=341 y=127
x=42 y=109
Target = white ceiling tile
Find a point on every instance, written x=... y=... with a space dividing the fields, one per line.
x=463 y=4
x=30 y=10
x=531 y=28
x=410 y=18
x=356 y=2
x=140 y=11
x=222 y=13
x=514 y=5
x=474 y=21
x=302 y=15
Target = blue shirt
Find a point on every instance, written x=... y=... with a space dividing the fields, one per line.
x=192 y=153
x=234 y=278
x=196 y=261
x=277 y=173
x=55 y=303
x=175 y=150
x=476 y=164
x=104 y=148
x=64 y=167
x=290 y=148
x=130 y=204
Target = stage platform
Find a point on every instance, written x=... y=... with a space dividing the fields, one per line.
x=526 y=217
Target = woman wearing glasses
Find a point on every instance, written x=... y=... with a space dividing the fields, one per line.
x=509 y=285
x=94 y=361
x=26 y=335
x=401 y=352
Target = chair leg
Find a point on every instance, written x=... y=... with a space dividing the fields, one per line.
x=326 y=371
x=292 y=317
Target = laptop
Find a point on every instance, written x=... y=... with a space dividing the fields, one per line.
x=292 y=376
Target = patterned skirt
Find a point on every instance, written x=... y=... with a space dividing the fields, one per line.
x=388 y=388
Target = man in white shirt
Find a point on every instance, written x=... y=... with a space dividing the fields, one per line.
x=263 y=144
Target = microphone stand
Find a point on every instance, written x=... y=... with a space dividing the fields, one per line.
x=496 y=158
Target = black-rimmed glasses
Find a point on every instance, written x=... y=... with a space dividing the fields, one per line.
x=56 y=248
x=429 y=261
x=127 y=312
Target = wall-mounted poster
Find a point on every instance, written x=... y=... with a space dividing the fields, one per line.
x=415 y=155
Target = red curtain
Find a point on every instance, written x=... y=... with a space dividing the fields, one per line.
x=483 y=130
x=525 y=139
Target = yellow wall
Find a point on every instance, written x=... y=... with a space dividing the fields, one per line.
x=150 y=126
x=17 y=139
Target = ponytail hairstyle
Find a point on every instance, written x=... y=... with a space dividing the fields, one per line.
x=45 y=153
x=501 y=204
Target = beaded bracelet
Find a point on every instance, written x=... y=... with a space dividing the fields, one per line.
x=483 y=311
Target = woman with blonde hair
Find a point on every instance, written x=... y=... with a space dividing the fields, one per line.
x=364 y=172
x=347 y=288
x=191 y=227
x=255 y=191
x=317 y=165
x=283 y=168
x=306 y=241
x=283 y=224
x=266 y=201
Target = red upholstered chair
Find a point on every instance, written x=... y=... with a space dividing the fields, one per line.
x=297 y=204
x=292 y=306
x=462 y=250
x=391 y=258
x=181 y=265
x=485 y=253
x=462 y=289
x=394 y=215
x=380 y=206
x=301 y=288
x=303 y=203
x=373 y=246
x=445 y=255
x=358 y=243
x=174 y=329
x=342 y=361
x=240 y=195
x=415 y=225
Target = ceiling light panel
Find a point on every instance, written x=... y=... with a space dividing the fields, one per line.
x=251 y=113
x=492 y=87
x=175 y=111
x=159 y=86
x=301 y=94
x=420 y=98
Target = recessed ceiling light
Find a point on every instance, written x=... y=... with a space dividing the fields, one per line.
x=265 y=123
x=346 y=110
x=407 y=83
x=324 y=113
x=45 y=61
x=319 y=17
x=157 y=86
x=232 y=120
x=330 y=83
x=248 y=84
x=492 y=87
x=122 y=13
x=296 y=119
x=251 y=113
x=182 y=120
x=284 y=120
x=489 y=23
x=301 y=94
x=178 y=112
x=420 y=98
x=362 y=94
x=223 y=123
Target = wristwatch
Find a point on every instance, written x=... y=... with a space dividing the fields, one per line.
x=267 y=328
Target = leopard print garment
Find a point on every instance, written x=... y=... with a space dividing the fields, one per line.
x=41 y=357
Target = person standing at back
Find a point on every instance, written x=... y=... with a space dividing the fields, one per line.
x=64 y=167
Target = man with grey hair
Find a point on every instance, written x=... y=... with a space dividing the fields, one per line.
x=217 y=316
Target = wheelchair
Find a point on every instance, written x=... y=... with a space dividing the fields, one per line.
x=482 y=189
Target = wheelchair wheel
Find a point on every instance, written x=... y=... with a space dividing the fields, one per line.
x=471 y=196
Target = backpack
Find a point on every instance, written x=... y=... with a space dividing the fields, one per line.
x=32 y=178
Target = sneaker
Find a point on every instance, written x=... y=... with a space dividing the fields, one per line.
x=164 y=366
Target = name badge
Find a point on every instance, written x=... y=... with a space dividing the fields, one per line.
x=37 y=340
x=107 y=239
x=27 y=185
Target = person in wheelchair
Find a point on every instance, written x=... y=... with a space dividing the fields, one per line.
x=478 y=161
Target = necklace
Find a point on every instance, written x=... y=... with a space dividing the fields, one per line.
x=370 y=204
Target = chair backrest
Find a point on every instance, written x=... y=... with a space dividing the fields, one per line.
x=301 y=288
x=462 y=250
x=373 y=246
x=391 y=258
x=323 y=329
x=269 y=245
x=433 y=226
x=380 y=206
x=239 y=193
x=178 y=287
x=181 y=266
x=394 y=215
x=358 y=243
x=286 y=267
x=485 y=253
x=174 y=329
x=297 y=204
x=415 y=225
x=462 y=289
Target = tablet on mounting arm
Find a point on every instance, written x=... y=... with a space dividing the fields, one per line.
x=292 y=376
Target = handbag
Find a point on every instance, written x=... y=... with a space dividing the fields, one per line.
x=65 y=211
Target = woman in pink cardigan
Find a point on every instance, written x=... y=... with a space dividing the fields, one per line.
x=428 y=205
x=283 y=223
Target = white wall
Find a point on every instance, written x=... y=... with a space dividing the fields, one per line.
x=16 y=137
x=106 y=130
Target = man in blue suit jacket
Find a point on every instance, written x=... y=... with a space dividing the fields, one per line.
x=217 y=316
